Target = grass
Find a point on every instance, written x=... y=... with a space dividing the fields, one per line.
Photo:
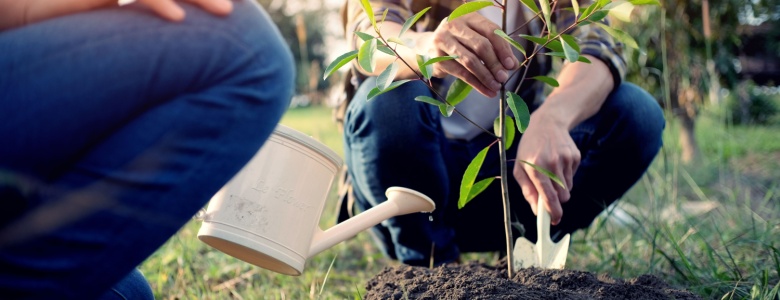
x=731 y=251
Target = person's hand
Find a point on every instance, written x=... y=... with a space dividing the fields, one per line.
x=547 y=144
x=484 y=58
x=169 y=10
x=20 y=13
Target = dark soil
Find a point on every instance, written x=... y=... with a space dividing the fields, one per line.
x=479 y=281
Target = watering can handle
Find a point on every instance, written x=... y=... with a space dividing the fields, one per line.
x=542 y=221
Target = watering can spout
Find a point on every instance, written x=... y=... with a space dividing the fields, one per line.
x=400 y=201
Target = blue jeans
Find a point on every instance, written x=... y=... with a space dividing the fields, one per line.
x=117 y=126
x=393 y=140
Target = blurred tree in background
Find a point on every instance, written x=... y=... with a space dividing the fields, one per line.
x=303 y=25
x=698 y=47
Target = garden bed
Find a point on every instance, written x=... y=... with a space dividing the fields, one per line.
x=480 y=281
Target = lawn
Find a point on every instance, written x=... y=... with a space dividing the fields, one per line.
x=711 y=228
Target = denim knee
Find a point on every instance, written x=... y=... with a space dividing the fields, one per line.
x=133 y=287
x=394 y=117
x=639 y=117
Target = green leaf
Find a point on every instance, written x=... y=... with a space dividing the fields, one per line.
x=555 y=54
x=428 y=100
x=620 y=10
x=438 y=59
x=458 y=91
x=339 y=62
x=546 y=11
x=572 y=41
x=396 y=84
x=774 y=292
x=588 y=10
x=552 y=30
x=385 y=49
x=446 y=109
x=621 y=36
x=598 y=16
x=511 y=41
x=562 y=55
x=366 y=55
x=425 y=70
x=509 y=130
x=369 y=11
x=396 y=40
x=548 y=80
x=467 y=8
x=645 y=2
x=373 y=93
x=546 y=173
x=410 y=22
x=554 y=45
x=364 y=36
x=571 y=54
x=614 y=4
x=467 y=183
x=535 y=39
x=520 y=110
x=531 y=4
x=376 y=91
x=477 y=189
x=386 y=77
x=384 y=15
x=575 y=7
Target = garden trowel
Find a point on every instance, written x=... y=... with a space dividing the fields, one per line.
x=544 y=254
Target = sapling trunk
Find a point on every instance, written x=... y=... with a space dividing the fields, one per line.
x=502 y=158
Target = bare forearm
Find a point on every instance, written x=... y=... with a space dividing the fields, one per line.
x=583 y=89
x=11 y=13
x=16 y=13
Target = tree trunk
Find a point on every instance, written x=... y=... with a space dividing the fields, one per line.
x=690 y=149
x=688 y=101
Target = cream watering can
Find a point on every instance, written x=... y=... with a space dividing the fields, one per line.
x=268 y=214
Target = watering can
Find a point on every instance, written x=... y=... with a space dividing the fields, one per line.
x=268 y=214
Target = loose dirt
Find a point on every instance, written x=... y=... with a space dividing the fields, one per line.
x=480 y=281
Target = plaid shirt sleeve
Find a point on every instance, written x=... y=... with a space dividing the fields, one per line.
x=595 y=41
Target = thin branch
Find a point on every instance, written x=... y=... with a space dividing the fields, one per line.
x=525 y=24
x=538 y=48
x=525 y=72
x=504 y=180
x=430 y=85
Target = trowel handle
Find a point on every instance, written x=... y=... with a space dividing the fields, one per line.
x=542 y=221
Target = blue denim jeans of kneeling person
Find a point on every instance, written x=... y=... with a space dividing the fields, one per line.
x=117 y=127
x=393 y=140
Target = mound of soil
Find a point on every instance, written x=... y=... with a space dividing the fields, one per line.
x=479 y=281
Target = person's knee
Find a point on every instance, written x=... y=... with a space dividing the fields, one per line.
x=274 y=60
x=134 y=286
x=393 y=115
x=243 y=52
x=639 y=115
